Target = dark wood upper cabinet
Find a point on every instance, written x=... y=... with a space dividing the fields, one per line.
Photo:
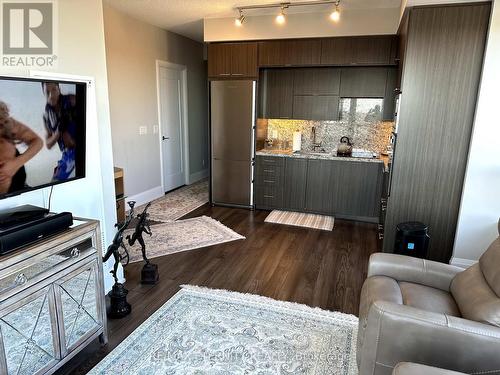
x=365 y=50
x=363 y=82
x=219 y=60
x=303 y=52
x=373 y=50
x=317 y=81
x=276 y=93
x=300 y=52
x=315 y=107
x=272 y=53
x=232 y=60
x=335 y=51
x=244 y=60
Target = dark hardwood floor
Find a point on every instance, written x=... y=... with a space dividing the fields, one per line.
x=317 y=268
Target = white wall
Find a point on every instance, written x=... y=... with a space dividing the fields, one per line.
x=132 y=48
x=305 y=25
x=480 y=207
x=81 y=52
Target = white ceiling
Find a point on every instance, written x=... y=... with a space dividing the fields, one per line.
x=185 y=17
x=412 y=3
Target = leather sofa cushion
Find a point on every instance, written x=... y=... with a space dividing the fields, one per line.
x=428 y=299
x=490 y=266
x=474 y=297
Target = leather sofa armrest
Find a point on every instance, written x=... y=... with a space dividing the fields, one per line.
x=414 y=270
x=398 y=333
x=408 y=368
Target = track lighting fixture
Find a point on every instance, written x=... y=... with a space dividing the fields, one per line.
x=239 y=21
x=335 y=15
x=280 y=18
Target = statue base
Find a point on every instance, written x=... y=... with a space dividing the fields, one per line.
x=119 y=307
x=149 y=274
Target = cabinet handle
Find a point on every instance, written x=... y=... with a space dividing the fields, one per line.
x=237 y=74
x=75 y=253
x=269 y=170
x=268 y=196
x=224 y=74
x=380 y=236
x=269 y=181
x=269 y=161
x=20 y=279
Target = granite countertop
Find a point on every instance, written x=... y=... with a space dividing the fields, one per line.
x=318 y=155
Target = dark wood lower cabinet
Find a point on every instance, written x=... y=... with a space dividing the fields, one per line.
x=268 y=190
x=294 y=184
x=341 y=188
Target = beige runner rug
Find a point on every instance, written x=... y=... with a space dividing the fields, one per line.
x=299 y=219
x=182 y=235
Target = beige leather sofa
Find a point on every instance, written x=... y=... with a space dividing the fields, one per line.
x=414 y=310
x=405 y=368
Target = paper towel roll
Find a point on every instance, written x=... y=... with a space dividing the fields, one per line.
x=297 y=141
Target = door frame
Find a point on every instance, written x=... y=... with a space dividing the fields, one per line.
x=184 y=117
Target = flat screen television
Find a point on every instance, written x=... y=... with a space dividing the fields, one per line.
x=42 y=133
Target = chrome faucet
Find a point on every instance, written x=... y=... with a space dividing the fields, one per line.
x=315 y=144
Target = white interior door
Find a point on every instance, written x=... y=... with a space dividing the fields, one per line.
x=171 y=123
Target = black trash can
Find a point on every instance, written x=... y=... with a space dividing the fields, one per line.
x=412 y=239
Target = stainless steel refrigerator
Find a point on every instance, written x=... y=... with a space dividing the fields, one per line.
x=232 y=120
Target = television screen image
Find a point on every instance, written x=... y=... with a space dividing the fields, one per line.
x=42 y=133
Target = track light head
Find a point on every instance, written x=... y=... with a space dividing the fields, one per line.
x=335 y=15
x=240 y=19
x=280 y=18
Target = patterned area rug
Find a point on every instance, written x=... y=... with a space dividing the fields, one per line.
x=182 y=235
x=178 y=203
x=299 y=219
x=206 y=331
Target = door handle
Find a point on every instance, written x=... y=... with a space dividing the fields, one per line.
x=164 y=138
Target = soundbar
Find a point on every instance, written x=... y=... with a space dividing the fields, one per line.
x=24 y=233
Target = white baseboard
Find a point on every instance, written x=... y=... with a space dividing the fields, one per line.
x=198 y=176
x=146 y=196
x=462 y=262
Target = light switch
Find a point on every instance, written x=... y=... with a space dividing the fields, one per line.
x=143 y=130
x=155 y=129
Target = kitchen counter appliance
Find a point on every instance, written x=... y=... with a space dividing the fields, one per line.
x=345 y=147
x=232 y=121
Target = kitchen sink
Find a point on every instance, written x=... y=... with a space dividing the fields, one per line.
x=317 y=153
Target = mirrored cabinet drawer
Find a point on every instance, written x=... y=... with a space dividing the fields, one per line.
x=22 y=276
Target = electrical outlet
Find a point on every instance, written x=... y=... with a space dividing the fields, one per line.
x=155 y=129
x=143 y=130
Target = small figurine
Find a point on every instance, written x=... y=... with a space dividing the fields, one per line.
x=149 y=273
x=119 y=307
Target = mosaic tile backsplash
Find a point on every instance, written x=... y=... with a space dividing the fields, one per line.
x=361 y=123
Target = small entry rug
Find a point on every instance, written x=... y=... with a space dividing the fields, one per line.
x=207 y=331
x=182 y=235
x=178 y=203
x=300 y=219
